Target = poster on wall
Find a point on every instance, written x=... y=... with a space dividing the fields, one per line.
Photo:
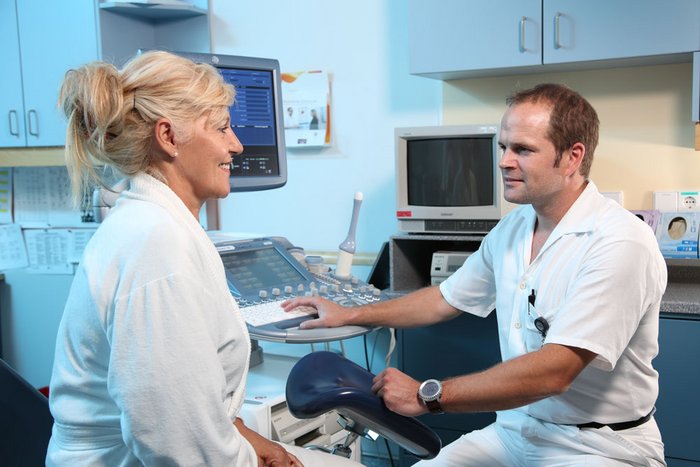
x=306 y=100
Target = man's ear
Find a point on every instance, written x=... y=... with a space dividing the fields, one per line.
x=575 y=158
x=164 y=135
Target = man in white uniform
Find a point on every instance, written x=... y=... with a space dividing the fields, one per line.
x=576 y=282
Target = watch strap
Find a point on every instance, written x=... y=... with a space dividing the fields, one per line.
x=434 y=406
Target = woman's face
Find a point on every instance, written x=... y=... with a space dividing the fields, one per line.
x=203 y=161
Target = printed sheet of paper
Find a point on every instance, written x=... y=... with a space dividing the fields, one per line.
x=78 y=240
x=55 y=251
x=48 y=251
x=306 y=110
x=13 y=254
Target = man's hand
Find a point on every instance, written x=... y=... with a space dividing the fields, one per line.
x=330 y=314
x=399 y=391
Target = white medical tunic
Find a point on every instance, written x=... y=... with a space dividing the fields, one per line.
x=152 y=353
x=598 y=282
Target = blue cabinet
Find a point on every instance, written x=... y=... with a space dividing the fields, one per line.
x=11 y=103
x=466 y=344
x=453 y=35
x=451 y=39
x=678 y=405
x=576 y=31
x=41 y=40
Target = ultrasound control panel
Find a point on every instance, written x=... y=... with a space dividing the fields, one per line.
x=263 y=272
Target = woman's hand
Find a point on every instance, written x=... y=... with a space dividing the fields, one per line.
x=269 y=453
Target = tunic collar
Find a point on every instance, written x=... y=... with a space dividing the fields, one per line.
x=581 y=218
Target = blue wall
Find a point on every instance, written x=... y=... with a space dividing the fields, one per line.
x=363 y=47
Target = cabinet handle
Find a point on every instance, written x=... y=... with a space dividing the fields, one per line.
x=13 y=122
x=522 y=35
x=557 y=44
x=32 y=122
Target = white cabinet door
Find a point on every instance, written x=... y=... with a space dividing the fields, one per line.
x=11 y=104
x=455 y=35
x=576 y=30
x=54 y=37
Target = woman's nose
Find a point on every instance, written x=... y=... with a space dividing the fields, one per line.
x=236 y=146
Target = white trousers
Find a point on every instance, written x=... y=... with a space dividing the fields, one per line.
x=519 y=440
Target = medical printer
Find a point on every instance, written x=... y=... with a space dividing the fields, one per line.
x=265 y=410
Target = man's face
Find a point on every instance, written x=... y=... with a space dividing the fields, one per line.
x=527 y=160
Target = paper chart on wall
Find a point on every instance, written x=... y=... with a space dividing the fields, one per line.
x=6 y=195
x=55 y=251
x=13 y=254
x=306 y=110
x=78 y=241
x=48 y=251
x=42 y=197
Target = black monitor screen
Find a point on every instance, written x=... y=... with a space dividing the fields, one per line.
x=253 y=121
x=264 y=268
x=451 y=171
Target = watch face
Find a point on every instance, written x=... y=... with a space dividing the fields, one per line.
x=430 y=389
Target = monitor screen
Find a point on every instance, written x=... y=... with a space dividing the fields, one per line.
x=256 y=269
x=450 y=171
x=256 y=118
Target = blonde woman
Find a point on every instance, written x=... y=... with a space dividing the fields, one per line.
x=152 y=354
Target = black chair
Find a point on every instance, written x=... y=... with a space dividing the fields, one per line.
x=25 y=421
x=324 y=381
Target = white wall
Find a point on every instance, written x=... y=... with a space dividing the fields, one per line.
x=363 y=46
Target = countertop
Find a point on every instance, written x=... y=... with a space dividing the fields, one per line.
x=681 y=297
x=683 y=289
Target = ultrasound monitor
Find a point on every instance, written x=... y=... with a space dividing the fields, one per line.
x=260 y=265
x=256 y=118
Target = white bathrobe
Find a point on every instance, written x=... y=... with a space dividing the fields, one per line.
x=152 y=353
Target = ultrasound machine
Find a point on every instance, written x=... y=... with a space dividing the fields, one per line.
x=263 y=272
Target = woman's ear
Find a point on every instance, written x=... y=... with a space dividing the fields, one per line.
x=165 y=137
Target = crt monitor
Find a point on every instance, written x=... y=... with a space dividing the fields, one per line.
x=448 y=180
x=256 y=118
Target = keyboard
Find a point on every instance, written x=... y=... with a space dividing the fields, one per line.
x=272 y=313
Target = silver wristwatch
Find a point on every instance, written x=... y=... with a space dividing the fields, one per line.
x=430 y=392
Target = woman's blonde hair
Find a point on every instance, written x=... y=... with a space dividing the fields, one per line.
x=112 y=113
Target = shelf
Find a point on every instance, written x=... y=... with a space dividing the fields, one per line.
x=32 y=157
x=154 y=11
x=411 y=257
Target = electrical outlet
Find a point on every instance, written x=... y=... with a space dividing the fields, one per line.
x=665 y=201
x=689 y=201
